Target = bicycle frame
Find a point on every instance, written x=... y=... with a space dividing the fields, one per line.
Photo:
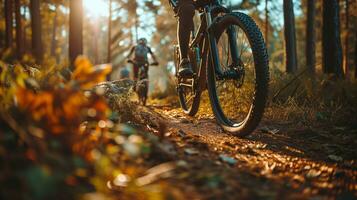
x=141 y=66
x=206 y=41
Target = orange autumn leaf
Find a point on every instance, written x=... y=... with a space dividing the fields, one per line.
x=39 y=105
x=60 y=110
x=57 y=129
x=43 y=106
x=82 y=67
x=24 y=97
x=72 y=105
x=100 y=106
x=88 y=75
x=71 y=180
x=31 y=154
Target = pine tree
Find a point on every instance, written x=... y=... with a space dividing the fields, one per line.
x=290 y=37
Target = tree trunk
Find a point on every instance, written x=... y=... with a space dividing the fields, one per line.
x=54 y=39
x=109 y=32
x=75 y=30
x=310 y=37
x=290 y=37
x=136 y=22
x=95 y=43
x=331 y=40
x=8 y=11
x=347 y=27
x=37 y=51
x=19 y=40
x=355 y=54
x=24 y=29
x=109 y=59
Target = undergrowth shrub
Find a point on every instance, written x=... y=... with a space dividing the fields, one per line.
x=298 y=98
x=312 y=99
x=60 y=138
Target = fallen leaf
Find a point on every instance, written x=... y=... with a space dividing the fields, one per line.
x=181 y=163
x=184 y=121
x=335 y=158
x=228 y=159
x=167 y=148
x=313 y=173
x=155 y=173
x=182 y=133
x=190 y=151
x=121 y=180
x=269 y=130
x=340 y=128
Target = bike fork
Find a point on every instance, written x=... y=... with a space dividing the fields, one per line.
x=212 y=44
x=232 y=38
x=213 y=51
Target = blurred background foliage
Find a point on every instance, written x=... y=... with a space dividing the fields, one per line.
x=60 y=139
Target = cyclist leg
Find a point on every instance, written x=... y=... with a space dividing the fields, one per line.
x=185 y=13
x=136 y=71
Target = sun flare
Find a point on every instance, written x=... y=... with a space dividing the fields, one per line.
x=96 y=8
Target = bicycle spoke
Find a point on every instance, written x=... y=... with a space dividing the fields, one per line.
x=189 y=100
x=234 y=100
x=249 y=61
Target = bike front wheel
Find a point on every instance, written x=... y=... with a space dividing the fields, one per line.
x=238 y=101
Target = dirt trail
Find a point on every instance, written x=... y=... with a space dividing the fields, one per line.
x=277 y=161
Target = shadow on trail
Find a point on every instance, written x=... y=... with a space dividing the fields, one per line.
x=293 y=162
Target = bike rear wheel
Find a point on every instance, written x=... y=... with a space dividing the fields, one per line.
x=142 y=85
x=189 y=97
x=238 y=103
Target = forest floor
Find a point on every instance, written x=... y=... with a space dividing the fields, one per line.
x=280 y=160
x=120 y=150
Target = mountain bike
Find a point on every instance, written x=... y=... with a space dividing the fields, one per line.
x=142 y=85
x=229 y=59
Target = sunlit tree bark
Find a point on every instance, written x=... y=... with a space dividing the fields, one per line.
x=8 y=11
x=347 y=37
x=310 y=36
x=75 y=30
x=290 y=37
x=37 y=50
x=54 y=33
x=109 y=32
x=109 y=56
x=19 y=40
x=356 y=54
x=96 y=34
x=331 y=40
x=25 y=27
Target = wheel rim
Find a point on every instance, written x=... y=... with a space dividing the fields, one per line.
x=235 y=97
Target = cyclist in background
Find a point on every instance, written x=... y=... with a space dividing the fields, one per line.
x=141 y=51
